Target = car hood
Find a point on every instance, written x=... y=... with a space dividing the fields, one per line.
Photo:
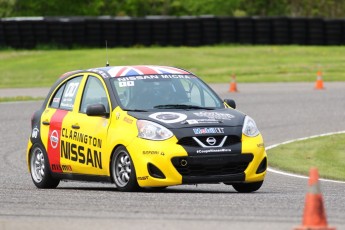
x=175 y=119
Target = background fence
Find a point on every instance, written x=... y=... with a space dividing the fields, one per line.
x=169 y=31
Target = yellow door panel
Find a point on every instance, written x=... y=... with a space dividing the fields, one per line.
x=82 y=143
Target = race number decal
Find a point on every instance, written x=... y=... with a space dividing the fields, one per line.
x=72 y=89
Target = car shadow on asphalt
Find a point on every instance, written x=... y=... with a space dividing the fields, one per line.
x=169 y=190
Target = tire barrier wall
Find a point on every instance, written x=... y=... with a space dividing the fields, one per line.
x=168 y=31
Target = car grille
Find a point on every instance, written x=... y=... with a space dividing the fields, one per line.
x=190 y=142
x=202 y=170
x=213 y=165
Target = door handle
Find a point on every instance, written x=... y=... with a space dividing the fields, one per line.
x=76 y=126
x=45 y=122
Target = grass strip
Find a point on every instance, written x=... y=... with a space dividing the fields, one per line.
x=20 y=98
x=40 y=68
x=326 y=153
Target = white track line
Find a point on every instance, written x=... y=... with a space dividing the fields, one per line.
x=301 y=139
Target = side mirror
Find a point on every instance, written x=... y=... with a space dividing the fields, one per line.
x=96 y=110
x=231 y=103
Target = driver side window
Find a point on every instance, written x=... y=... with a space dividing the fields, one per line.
x=94 y=93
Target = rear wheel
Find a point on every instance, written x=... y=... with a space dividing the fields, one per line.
x=248 y=187
x=123 y=171
x=40 y=170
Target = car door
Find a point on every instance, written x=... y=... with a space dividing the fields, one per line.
x=59 y=107
x=84 y=138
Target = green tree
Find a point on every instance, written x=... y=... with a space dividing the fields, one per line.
x=57 y=7
x=211 y=7
x=6 y=8
x=264 y=7
x=317 y=8
x=140 y=8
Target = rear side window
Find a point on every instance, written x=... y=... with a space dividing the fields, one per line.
x=55 y=102
x=65 y=97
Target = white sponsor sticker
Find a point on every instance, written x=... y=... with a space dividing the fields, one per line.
x=126 y=83
x=202 y=121
x=215 y=115
x=54 y=139
x=208 y=130
x=35 y=132
x=213 y=150
x=72 y=89
x=169 y=117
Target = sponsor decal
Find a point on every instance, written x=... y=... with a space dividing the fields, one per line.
x=81 y=154
x=213 y=150
x=201 y=121
x=208 y=130
x=140 y=77
x=82 y=138
x=154 y=153
x=67 y=103
x=261 y=145
x=54 y=139
x=126 y=83
x=143 y=177
x=69 y=94
x=168 y=117
x=128 y=120
x=56 y=100
x=215 y=115
x=175 y=76
x=151 y=152
x=158 y=76
x=71 y=89
x=61 y=167
x=78 y=153
x=35 y=132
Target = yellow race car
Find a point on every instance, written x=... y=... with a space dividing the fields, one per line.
x=143 y=126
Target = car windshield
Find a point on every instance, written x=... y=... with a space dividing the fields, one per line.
x=147 y=92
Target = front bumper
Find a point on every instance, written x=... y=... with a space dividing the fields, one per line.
x=212 y=169
x=179 y=167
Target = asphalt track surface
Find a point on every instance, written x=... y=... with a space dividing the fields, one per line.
x=282 y=112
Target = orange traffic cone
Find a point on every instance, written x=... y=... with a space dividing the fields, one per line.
x=314 y=217
x=319 y=82
x=233 y=85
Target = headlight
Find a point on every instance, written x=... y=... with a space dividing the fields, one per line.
x=152 y=131
x=249 y=127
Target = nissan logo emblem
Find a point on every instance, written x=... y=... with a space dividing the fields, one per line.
x=211 y=140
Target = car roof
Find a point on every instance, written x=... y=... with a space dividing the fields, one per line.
x=137 y=70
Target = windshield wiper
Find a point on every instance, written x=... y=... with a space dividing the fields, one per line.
x=135 y=110
x=181 y=106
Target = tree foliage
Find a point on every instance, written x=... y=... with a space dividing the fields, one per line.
x=140 y=8
x=6 y=7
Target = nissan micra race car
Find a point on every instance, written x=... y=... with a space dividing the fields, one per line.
x=143 y=126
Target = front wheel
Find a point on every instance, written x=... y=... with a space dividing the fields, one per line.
x=40 y=170
x=248 y=187
x=123 y=171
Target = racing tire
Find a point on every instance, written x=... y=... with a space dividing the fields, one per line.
x=40 y=169
x=248 y=187
x=123 y=171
